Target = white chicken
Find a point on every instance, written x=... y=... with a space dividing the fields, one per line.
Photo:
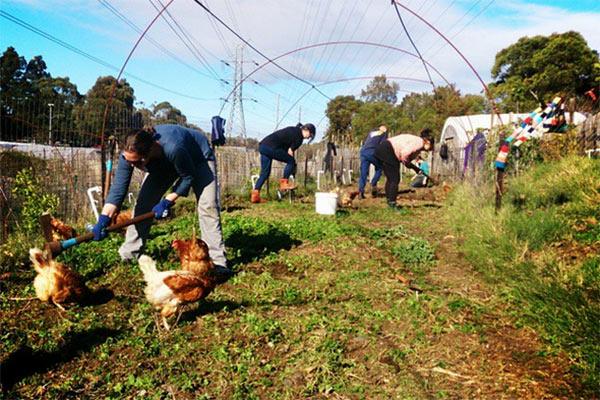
x=167 y=291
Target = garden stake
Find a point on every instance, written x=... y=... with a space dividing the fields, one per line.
x=112 y=142
x=57 y=247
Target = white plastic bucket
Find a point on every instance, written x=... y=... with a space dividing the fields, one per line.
x=326 y=203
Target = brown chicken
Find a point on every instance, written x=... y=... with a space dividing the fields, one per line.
x=447 y=188
x=346 y=197
x=55 y=282
x=193 y=256
x=61 y=231
x=167 y=291
x=122 y=216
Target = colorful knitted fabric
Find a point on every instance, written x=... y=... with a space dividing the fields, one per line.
x=538 y=121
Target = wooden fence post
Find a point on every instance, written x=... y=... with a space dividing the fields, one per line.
x=305 y=169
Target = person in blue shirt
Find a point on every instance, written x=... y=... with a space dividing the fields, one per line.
x=175 y=158
x=420 y=180
x=367 y=157
x=280 y=145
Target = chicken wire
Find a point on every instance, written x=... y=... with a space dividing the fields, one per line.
x=68 y=173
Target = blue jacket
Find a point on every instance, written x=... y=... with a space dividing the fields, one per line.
x=183 y=150
x=374 y=138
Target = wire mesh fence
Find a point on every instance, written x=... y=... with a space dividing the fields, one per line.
x=60 y=144
x=67 y=159
x=589 y=136
x=64 y=124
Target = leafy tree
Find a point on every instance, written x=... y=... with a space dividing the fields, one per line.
x=545 y=66
x=12 y=69
x=21 y=113
x=165 y=113
x=379 y=89
x=370 y=116
x=418 y=111
x=122 y=114
x=65 y=97
x=123 y=96
x=340 y=112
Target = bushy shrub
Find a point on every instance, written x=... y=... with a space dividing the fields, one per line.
x=33 y=199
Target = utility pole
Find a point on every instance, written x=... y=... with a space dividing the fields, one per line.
x=50 y=106
x=236 y=115
x=300 y=114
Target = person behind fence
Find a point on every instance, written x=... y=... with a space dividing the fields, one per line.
x=174 y=157
x=400 y=149
x=367 y=157
x=280 y=145
x=420 y=179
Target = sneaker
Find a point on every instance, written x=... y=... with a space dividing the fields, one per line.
x=361 y=195
x=222 y=273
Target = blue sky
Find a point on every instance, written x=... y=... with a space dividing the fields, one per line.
x=478 y=28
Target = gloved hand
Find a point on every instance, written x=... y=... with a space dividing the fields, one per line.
x=161 y=210
x=99 y=230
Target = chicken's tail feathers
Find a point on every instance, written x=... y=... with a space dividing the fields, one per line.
x=148 y=266
x=38 y=259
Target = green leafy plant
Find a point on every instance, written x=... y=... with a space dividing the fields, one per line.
x=34 y=202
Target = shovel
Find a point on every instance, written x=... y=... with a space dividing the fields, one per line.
x=57 y=247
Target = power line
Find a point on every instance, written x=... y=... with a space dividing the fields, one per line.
x=437 y=44
x=97 y=60
x=341 y=33
x=220 y=35
x=413 y=43
x=132 y=25
x=256 y=50
x=193 y=49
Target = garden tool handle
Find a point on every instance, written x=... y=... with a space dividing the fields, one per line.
x=433 y=181
x=57 y=247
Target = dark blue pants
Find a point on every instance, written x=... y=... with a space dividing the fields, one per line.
x=419 y=182
x=366 y=159
x=267 y=155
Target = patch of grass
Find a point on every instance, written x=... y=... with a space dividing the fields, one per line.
x=314 y=311
x=515 y=247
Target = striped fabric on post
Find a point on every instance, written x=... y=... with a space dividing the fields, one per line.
x=537 y=121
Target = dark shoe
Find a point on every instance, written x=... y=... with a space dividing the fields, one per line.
x=222 y=273
x=394 y=206
x=361 y=195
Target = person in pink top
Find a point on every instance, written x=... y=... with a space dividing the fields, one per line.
x=400 y=149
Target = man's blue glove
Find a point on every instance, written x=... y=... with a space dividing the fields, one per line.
x=161 y=210
x=99 y=230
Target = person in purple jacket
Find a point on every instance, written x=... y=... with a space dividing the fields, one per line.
x=280 y=145
x=174 y=157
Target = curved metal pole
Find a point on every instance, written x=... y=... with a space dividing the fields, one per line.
x=400 y=78
x=116 y=82
x=487 y=91
x=345 y=80
x=362 y=43
x=294 y=105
